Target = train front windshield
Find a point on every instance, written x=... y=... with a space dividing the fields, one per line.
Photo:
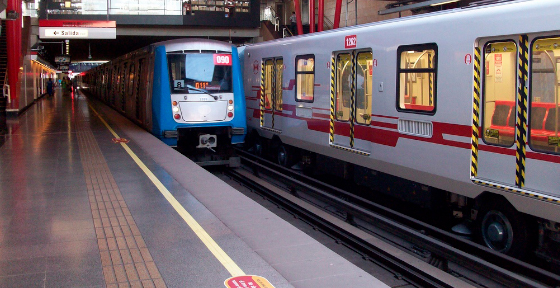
x=200 y=73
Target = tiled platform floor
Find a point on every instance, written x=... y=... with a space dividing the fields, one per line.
x=77 y=211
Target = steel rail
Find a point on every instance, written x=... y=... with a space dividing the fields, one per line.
x=482 y=260
x=375 y=254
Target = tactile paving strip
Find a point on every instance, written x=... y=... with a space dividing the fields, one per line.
x=125 y=258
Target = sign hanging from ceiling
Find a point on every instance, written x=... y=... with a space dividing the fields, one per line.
x=62 y=59
x=77 y=29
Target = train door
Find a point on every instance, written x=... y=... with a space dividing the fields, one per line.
x=352 y=100
x=140 y=91
x=271 y=107
x=130 y=103
x=544 y=117
x=498 y=110
x=122 y=86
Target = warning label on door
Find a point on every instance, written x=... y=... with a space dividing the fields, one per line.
x=247 y=281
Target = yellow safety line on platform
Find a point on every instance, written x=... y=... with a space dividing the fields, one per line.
x=218 y=252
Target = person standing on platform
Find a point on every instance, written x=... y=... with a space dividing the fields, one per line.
x=63 y=85
x=50 y=85
x=293 y=24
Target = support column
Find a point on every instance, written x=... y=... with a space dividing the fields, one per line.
x=337 y=11
x=298 y=17
x=321 y=15
x=311 y=16
x=13 y=39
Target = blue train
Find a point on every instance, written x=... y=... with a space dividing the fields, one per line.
x=187 y=92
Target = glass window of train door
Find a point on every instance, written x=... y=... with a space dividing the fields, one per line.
x=137 y=90
x=114 y=87
x=268 y=80
x=343 y=86
x=364 y=73
x=499 y=93
x=131 y=72
x=544 y=108
x=124 y=78
x=305 y=78
x=278 y=84
x=417 y=78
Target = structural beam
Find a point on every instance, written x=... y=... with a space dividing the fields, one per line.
x=298 y=17
x=311 y=16
x=337 y=11
x=321 y=15
x=13 y=39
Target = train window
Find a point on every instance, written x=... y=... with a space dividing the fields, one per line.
x=273 y=70
x=361 y=97
x=123 y=86
x=499 y=93
x=200 y=72
x=343 y=86
x=416 y=83
x=364 y=72
x=131 y=79
x=544 y=125
x=305 y=77
x=279 y=76
x=268 y=80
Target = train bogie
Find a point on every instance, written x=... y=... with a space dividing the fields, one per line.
x=460 y=119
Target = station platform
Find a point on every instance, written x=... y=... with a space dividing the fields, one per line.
x=89 y=199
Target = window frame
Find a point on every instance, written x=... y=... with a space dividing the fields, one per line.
x=353 y=58
x=336 y=62
x=304 y=56
x=131 y=73
x=271 y=80
x=358 y=51
x=399 y=70
x=483 y=93
x=530 y=98
x=274 y=83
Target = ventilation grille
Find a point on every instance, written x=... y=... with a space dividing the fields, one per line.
x=416 y=128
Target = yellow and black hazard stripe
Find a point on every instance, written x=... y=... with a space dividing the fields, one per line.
x=475 y=113
x=521 y=141
x=352 y=99
x=272 y=130
x=517 y=190
x=430 y=80
x=331 y=133
x=273 y=98
x=352 y=150
x=262 y=94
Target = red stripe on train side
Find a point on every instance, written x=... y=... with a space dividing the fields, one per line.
x=377 y=133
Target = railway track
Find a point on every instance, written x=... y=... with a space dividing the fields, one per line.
x=433 y=258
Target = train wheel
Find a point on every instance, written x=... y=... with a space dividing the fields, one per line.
x=502 y=228
x=285 y=155
x=256 y=145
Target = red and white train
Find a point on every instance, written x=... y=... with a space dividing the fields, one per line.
x=457 y=111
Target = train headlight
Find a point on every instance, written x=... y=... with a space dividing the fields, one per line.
x=175 y=109
x=230 y=108
x=230 y=101
x=174 y=103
